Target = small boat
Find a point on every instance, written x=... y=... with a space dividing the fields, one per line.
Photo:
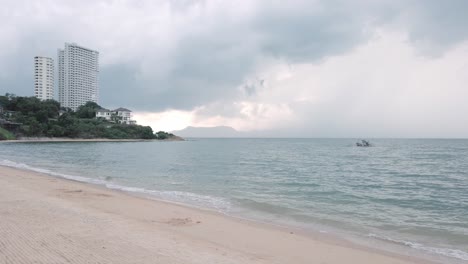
x=363 y=143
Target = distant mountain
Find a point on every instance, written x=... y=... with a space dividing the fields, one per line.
x=208 y=132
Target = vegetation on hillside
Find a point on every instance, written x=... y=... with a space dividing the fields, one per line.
x=6 y=135
x=164 y=135
x=36 y=118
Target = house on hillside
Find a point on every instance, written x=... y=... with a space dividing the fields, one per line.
x=125 y=116
x=120 y=115
x=104 y=114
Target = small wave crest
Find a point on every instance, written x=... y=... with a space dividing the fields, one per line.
x=217 y=203
x=448 y=252
x=188 y=198
x=265 y=207
x=23 y=166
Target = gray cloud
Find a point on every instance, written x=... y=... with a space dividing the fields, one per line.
x=184 y=54
x=435 y=25
x=308 y=33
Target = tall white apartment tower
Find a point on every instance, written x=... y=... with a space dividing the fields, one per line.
x=43 y=78
x=78 y=70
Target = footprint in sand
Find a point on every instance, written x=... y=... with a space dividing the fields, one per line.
x=181 y=221
x=73 y=191
x=85 y=193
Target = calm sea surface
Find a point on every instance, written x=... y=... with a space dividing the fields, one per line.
x=409 y=195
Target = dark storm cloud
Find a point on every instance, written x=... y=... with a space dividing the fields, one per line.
x=435 y=24
x=213 y=63
x=307 y=34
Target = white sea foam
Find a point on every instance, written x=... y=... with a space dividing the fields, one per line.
x=188 y=198
x=217 y=203
x=193 y=199
x=448 y=252
x=23 y=166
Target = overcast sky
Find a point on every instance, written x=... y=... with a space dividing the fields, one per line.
x=289 y=68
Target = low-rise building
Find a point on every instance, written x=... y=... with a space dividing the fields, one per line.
x=124 y=116
x=120 y=115
x=104 y=113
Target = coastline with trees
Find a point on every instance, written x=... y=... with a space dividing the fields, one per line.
x=32 y=118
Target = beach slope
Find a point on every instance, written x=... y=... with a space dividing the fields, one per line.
x=50 y=220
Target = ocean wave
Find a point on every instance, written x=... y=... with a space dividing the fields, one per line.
x=23 y=166
x=448 y=252
x=187 y=198
x=218 y=203
x=265 y=207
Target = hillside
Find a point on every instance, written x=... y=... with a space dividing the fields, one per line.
x=31 y=117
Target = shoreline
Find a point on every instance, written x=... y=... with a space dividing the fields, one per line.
x=237 y=240
x=47 y=140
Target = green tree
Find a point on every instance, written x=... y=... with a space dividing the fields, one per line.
x=164 y=135
x=88 y=110
x=56 y=131
x=41 y=118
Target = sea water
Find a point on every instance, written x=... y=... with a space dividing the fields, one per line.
x=409 y=194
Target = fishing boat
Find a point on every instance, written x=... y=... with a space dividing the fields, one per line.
x=363 y=143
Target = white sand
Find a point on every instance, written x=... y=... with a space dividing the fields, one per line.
x=49 y=220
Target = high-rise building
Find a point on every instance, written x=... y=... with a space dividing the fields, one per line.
x=78 y=70
x=43 y=78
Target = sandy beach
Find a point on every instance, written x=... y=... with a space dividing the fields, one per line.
x=44 y=219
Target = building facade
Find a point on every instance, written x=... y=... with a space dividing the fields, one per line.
x=125 y=116
x=104 y=114
x=78 y=75
x=43 y=78
x=119 y=115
